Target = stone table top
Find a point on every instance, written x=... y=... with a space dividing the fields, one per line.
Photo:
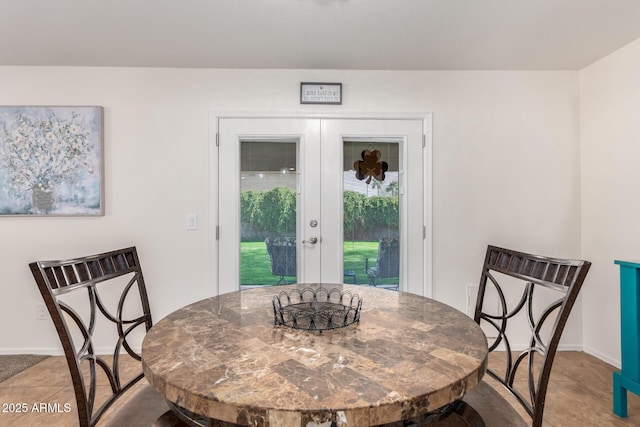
x=223 y=358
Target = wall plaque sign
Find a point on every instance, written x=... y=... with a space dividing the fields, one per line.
x=320 y=93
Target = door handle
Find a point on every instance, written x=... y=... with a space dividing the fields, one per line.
x=313 y=240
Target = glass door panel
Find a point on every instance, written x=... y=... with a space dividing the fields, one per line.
x=378 y=227
x=268 y=212
x=371 y=212
x=265 y=167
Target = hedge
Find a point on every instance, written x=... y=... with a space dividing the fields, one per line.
x=275 y=211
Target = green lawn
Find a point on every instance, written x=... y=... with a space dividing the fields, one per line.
x=354 y=256
x=255 y=268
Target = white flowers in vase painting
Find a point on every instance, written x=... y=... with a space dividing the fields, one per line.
x=50 y=161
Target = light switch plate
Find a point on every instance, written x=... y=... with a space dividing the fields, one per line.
x=191 y=221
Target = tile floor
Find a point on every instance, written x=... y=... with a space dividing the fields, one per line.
x=579 y=395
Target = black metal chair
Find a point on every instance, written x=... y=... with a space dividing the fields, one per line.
x=60 y=283
x=544 y=282
x=282 y=254
x=387 y=263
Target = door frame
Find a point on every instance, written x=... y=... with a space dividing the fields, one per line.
x=214 y=184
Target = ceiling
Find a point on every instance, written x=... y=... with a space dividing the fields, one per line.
x=317 y=34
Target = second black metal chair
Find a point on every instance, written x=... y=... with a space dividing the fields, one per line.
x=543 y=282
x=387 y=263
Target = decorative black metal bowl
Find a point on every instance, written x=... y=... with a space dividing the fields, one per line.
x=318 y=309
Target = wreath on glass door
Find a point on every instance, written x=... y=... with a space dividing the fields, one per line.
x=370 y=166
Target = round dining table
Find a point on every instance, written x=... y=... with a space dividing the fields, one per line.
x=224 y=358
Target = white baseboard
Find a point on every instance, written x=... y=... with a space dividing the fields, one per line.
x=616 y=363
x=562 y=347
x=570 y=347
x=56 y=351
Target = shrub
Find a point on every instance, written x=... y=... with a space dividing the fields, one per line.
x=353 y=211
x=274 y=211
x=278 y=209
x=250 y=202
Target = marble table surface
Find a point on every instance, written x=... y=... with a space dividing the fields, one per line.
x=223 y=358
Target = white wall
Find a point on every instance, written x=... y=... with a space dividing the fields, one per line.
x=506 y=171
x=610 y=138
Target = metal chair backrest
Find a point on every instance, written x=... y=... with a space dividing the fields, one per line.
x=282 y=254
x=388 y=261
x=56 y=279
x=561 y=276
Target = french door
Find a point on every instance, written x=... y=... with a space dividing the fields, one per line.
x=311 y=200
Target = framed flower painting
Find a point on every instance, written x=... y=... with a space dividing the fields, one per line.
x=51 y=160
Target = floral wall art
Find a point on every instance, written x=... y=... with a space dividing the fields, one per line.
x=51 y=161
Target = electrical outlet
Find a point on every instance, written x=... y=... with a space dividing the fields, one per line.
x=491 y=305
x=41 y=312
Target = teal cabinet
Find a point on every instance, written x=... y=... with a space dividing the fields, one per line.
x=629 y=377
